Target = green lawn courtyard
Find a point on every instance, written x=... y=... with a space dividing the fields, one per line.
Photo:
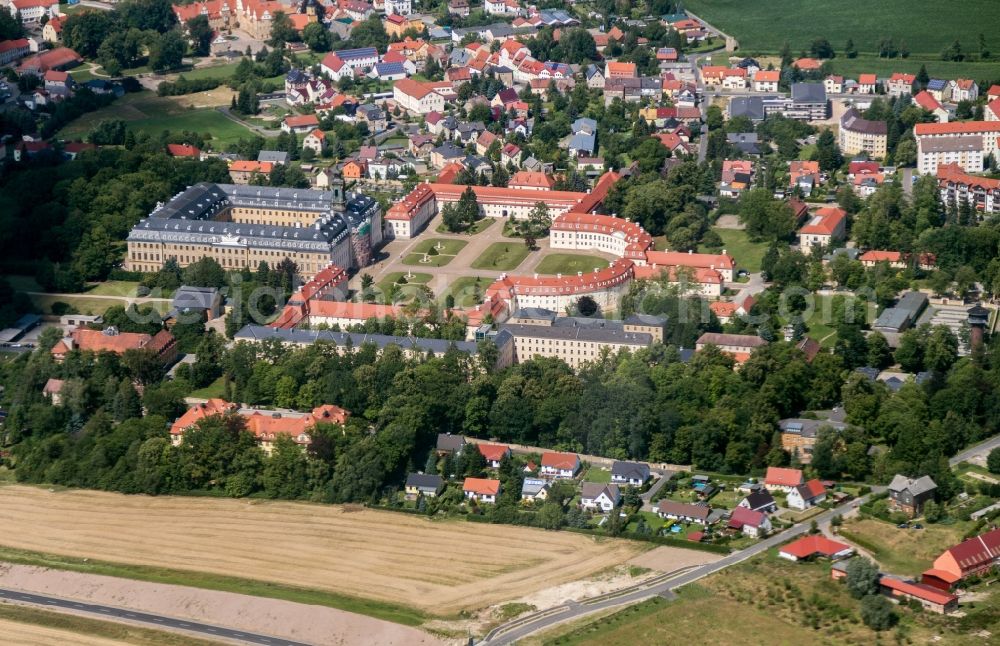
x=736 y=243
x=467 y=290
x=570 y=263
x=434 y=252
x=502 y=256
x=391 y=280
x=479 y=226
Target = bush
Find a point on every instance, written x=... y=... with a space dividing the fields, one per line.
x=877 y=612
x=186 y=86
x=60 y=308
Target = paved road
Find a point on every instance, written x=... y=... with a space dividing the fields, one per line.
x=512 y=631
x=154 y=621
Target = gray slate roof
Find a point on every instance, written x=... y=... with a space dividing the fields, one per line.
x=424 y=481
x=630 y=470
x=916 y=487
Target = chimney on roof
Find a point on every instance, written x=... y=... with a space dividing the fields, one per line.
x=558 y=276
x=690 y=251
x=723 y=252
x=536 y=275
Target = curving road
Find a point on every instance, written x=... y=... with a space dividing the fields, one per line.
x=112 y=613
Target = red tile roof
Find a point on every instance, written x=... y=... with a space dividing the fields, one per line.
x=555 y=460
x=918 y=590
x=481 y=486
x=927 y=101
x=299 y=120
x=493 y=452
x=974 y=552
x=781 y=477
x=813 y=488
x=956 y=128
x=810 y=545
x=742 y=516
x=768 y=76
x=825 y=221
x=183 y=150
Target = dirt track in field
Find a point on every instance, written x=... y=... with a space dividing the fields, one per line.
x=439 y=567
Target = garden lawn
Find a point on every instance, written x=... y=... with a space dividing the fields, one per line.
x=214 y=389
x=926 y=26
x=597 y=474
x=85 y=305
x=423 y=253
x=736 y=243
x=569 y=263
x=905 y=552
x=146 y=112
x=415 y=279
x=502 y=256
x=479 y=226
x=466 y=288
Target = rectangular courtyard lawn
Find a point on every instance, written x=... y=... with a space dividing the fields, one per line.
x=736 y=243
x=502 y=256
x=385 y=285
x=466 y=288
x=570 y=263
x=478 y=226
x=434 y=252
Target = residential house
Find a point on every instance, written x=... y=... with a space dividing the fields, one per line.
x=815 y=545
x=595 y=77
x=315 y=141
x=858 y=135
x=594 y=495
x=683 y=512
x=53 y=391
x=760 y=500
x=616 y=70
x=373 y=115
x=482 y=490
x=737 y=176
x=417 y=97
x=965 y=143
x=629 y=473
x=963 y=90
x=826 y=226
x=798 y=436
x=751 y=523
x=534 y=489
x=383 y=71
x=184 y=150
x=445 y=154
x=242 y=172
x=459 y=8
x=279 y=157
x=32 y=11
x=807 y=64
x=335 y=67
x=808 y=494
x=909 y=495
x=782 y=479
x=354 y=169
x=449 y=444
x=938 y=88
x=422 y=484
x=900 y=84
x=559 y=465
x=494 y=453
x=867 y=84
x=300 y=123
x=926 y=100
x=52 y=31
x=834 y=84
x=766 y=80
x=738 y=346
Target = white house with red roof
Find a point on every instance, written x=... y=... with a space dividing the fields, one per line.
x=315 y=141
x=900 y=84
x=32 y=10
x=808 y=494
x=13 y=50
x=481 y=489
x=559 y=465
x=965 y=143
x=494 y=453
x=963 y=90
x=750 y=522
x=825 y=226
x=766 y=80
x=926 y=100
x=335 y=67
x=782 y=479
x=300 y=123
x=867 y=84
x=417 y=97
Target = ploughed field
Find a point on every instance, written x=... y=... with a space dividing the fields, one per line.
x=440 y=567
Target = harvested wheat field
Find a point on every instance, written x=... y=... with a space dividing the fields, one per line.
x=438 y=567
x=24 y=634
